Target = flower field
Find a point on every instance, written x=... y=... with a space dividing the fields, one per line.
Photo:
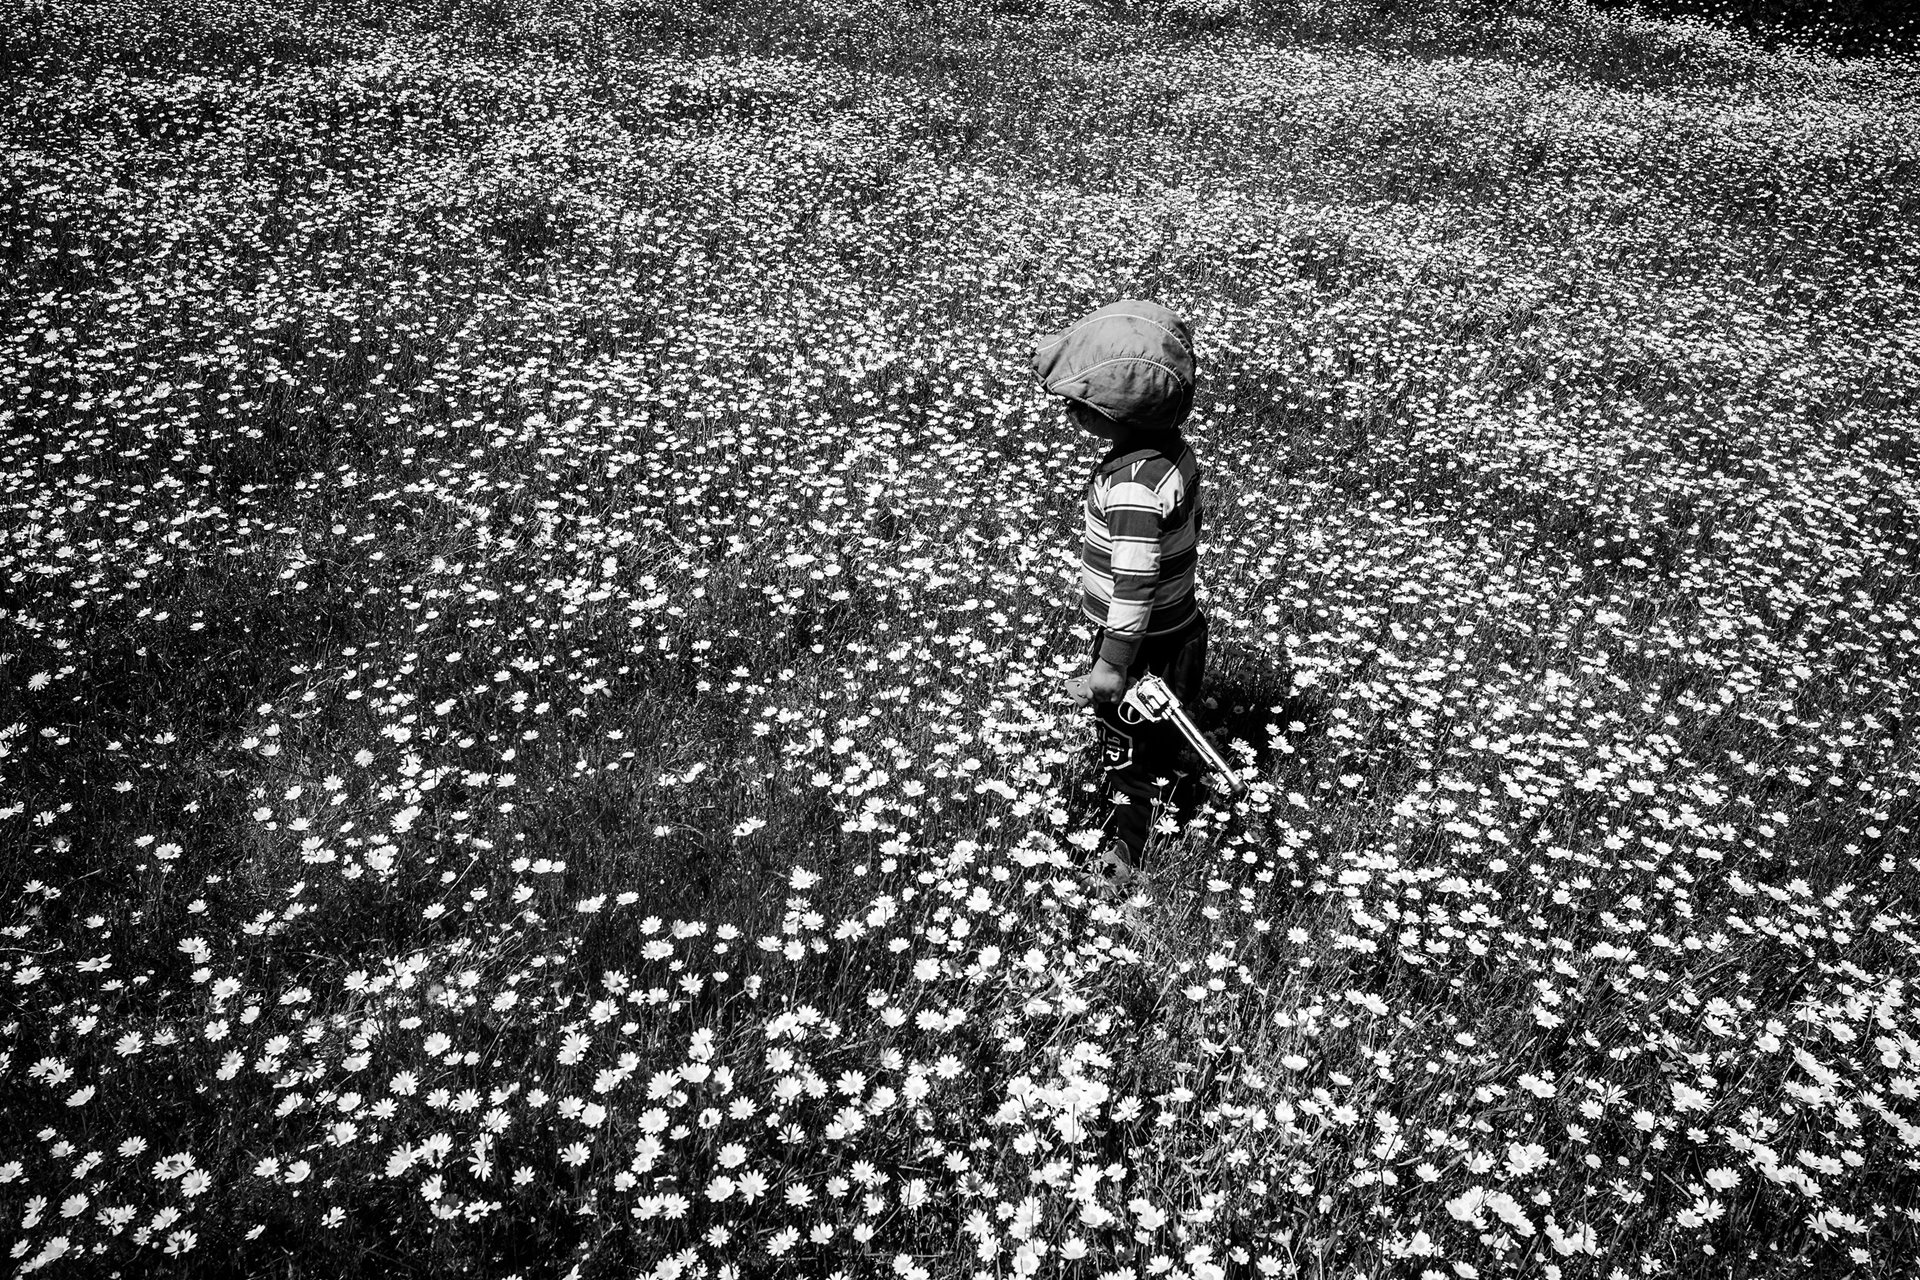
x=537 y=582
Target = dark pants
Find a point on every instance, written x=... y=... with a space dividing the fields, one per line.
x=1141 y=761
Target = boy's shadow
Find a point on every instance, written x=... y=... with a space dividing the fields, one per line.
x=1248 y=697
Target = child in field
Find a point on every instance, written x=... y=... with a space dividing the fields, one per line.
x=1126 y=372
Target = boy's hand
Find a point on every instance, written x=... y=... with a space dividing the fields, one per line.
x=1107 y=683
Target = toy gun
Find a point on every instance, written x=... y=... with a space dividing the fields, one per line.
x=1149 y=701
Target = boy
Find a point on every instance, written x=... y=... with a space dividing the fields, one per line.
x=1127 y=374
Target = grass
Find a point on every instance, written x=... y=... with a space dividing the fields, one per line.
x=537 y=582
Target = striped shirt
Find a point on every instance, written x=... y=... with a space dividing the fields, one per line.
x=1142 y=541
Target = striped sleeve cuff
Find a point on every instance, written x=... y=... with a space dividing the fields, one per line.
x=1119 y=650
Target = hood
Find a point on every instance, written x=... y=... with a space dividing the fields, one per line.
x=1131 y=361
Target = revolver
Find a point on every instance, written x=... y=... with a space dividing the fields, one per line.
x=1149 y=700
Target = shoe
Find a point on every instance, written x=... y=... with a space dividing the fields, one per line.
x=1112 y=873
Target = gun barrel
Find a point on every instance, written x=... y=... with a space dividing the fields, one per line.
x=1197 y=740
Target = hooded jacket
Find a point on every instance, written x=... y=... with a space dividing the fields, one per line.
x=1133 y=363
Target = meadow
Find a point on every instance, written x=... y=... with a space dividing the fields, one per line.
x=537 y=581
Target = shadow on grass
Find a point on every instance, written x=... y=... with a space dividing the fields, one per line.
x=1249 y=698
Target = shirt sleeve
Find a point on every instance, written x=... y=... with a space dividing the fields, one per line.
x=1135 y=508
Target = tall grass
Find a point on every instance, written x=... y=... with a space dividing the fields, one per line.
x=537 y=584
